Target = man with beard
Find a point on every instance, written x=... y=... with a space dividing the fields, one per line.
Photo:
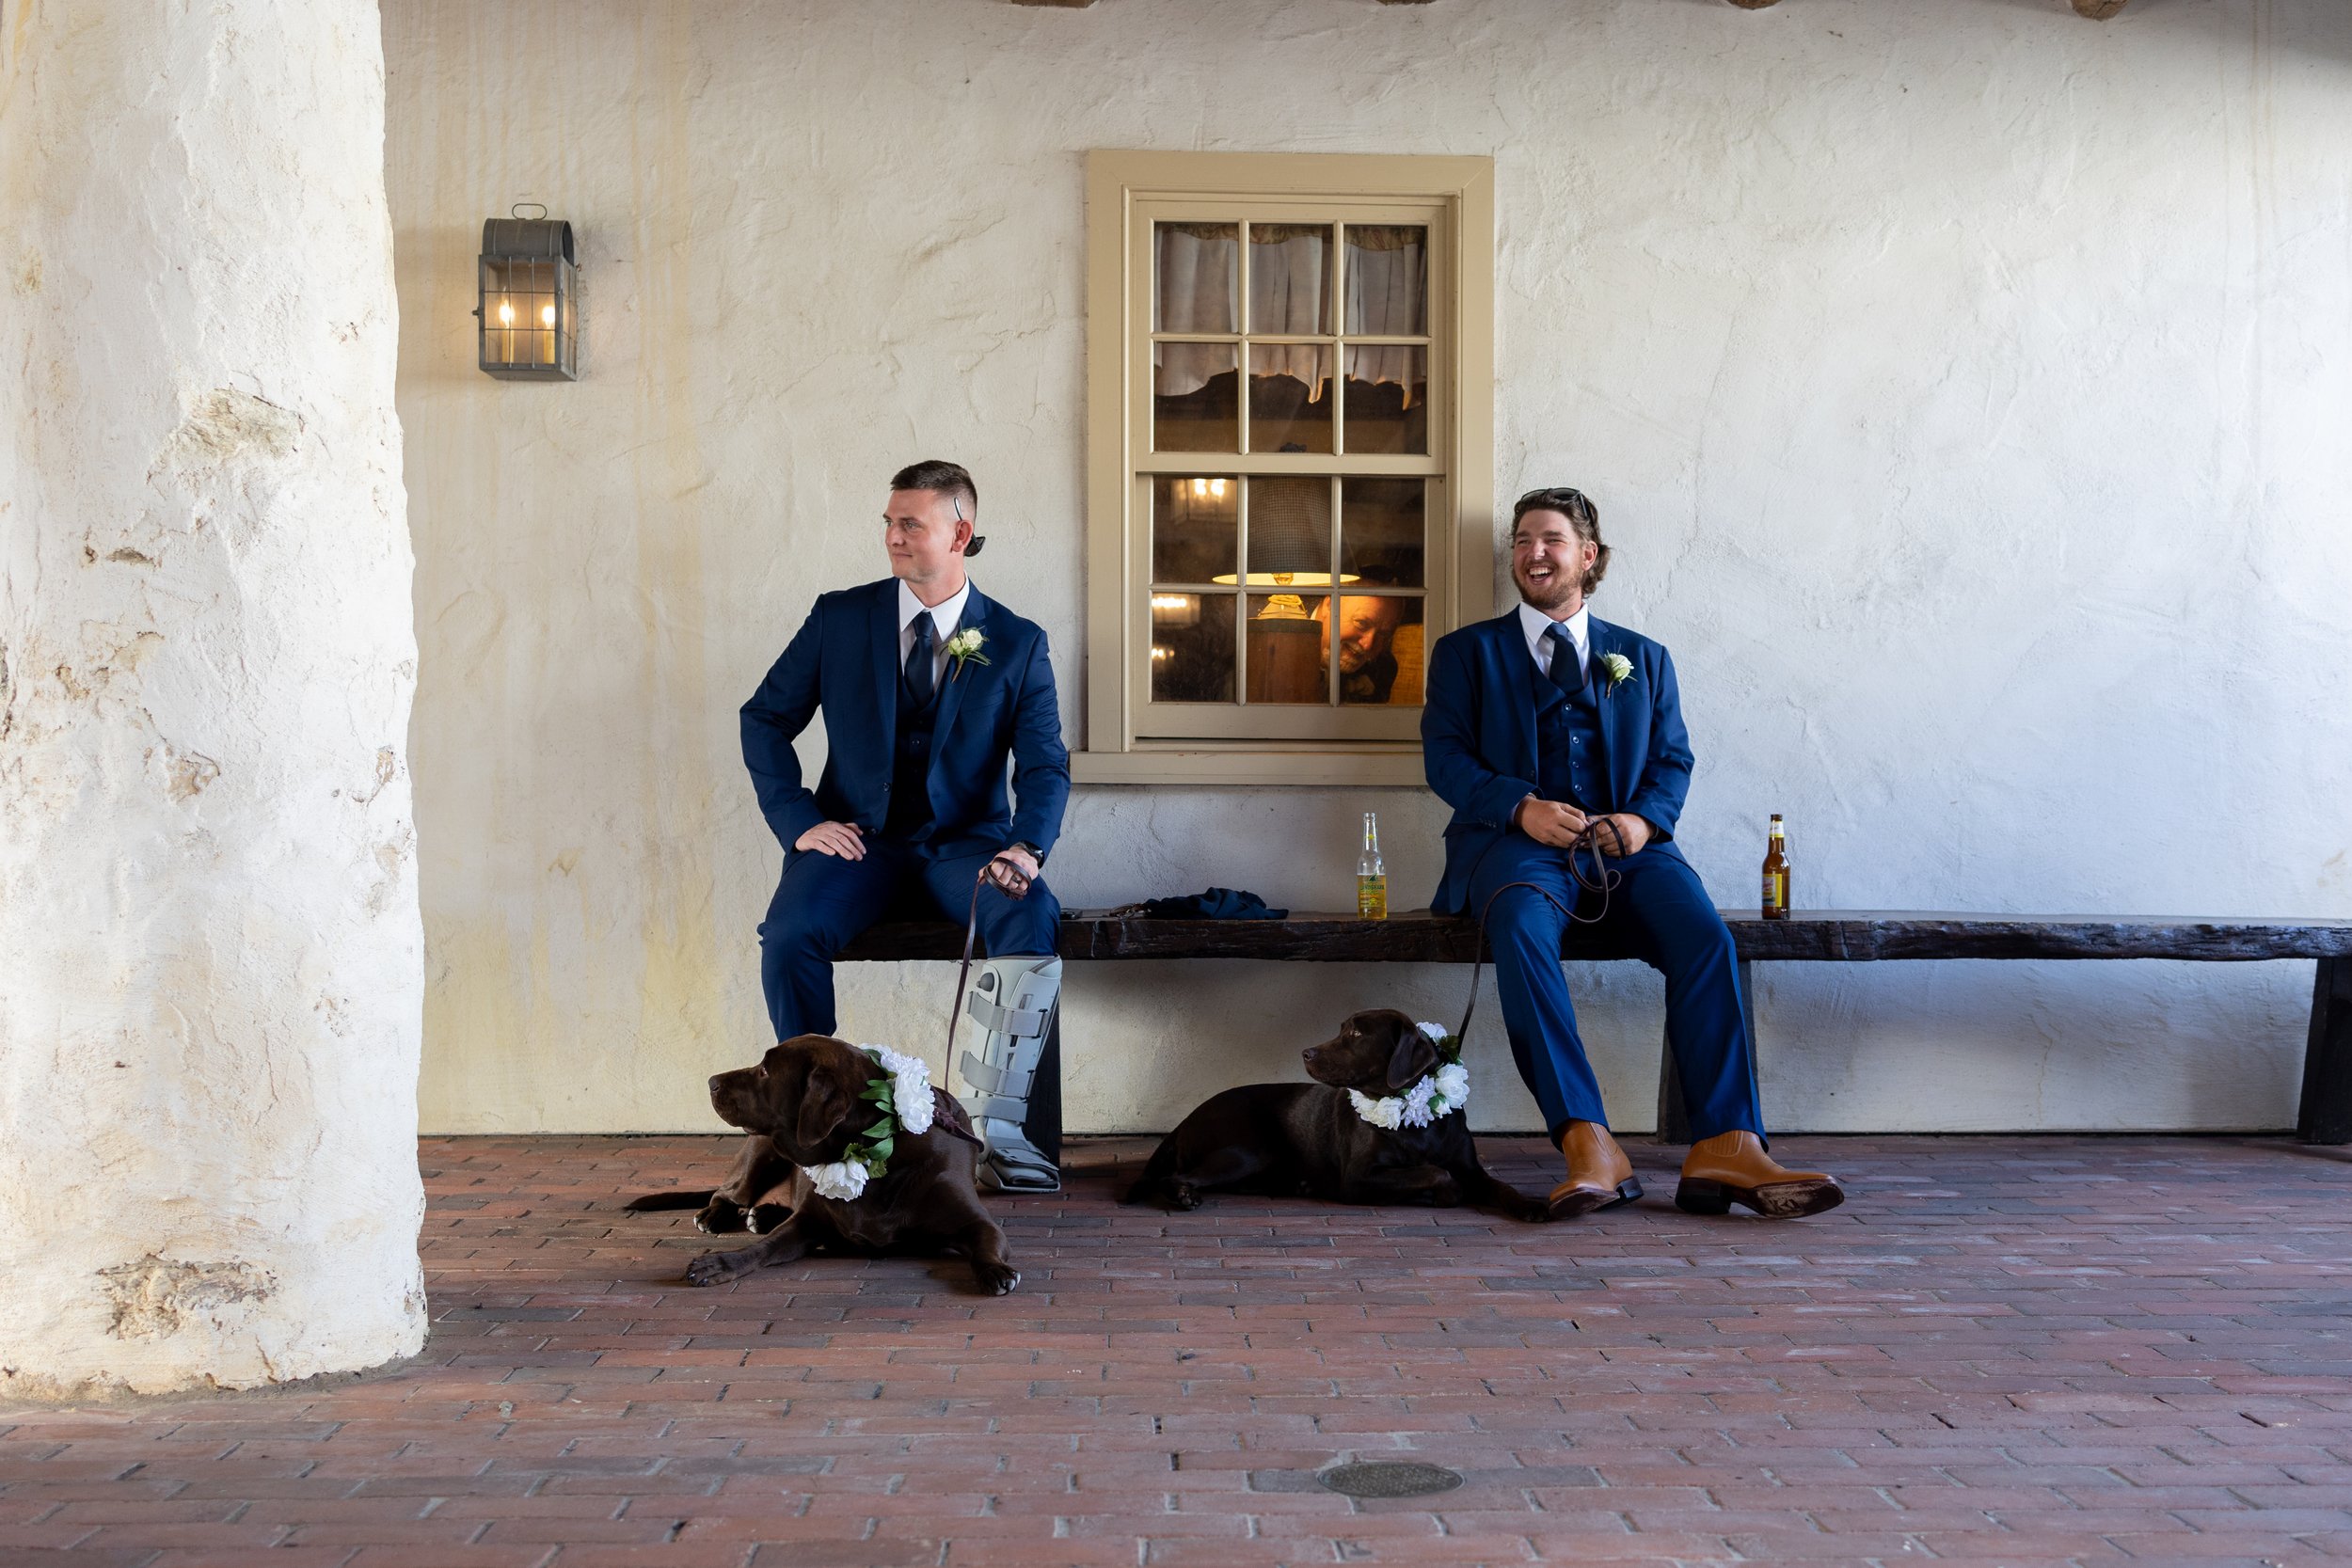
x=1368 y=626
x=1557 y=738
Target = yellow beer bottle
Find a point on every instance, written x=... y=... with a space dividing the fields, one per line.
x=1371 y=878
x=1776 y=872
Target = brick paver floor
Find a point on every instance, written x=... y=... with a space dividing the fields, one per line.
x=2001 y=1349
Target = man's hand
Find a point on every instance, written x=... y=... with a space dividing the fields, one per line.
x=1013 y=871
x=1629 y=834
x=838 y=839
x=1552 y=822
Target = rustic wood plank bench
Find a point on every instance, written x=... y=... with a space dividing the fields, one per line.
x=1819 y=935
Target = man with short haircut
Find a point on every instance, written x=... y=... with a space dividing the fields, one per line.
x=928 y=686
x=1557 y=738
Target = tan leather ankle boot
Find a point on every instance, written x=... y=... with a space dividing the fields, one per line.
x=1732 y=1167
x=1599 y=1175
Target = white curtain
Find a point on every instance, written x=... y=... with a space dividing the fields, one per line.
x=1197 y=293
x=1391 y=280
x=1287 y=282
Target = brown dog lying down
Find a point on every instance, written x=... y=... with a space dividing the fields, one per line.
x=1287 y=1140
x=805 y=1101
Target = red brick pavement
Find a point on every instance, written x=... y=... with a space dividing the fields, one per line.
x=2001 y=1351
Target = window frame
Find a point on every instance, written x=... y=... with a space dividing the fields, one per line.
x=1338 y=745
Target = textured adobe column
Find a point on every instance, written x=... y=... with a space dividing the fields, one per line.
x=211 y=970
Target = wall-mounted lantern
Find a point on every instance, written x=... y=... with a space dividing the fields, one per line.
x=529 y=305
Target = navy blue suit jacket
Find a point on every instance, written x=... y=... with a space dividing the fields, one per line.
x=1478 y=737
x=845 y=660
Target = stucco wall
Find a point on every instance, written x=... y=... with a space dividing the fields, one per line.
x=1965 y=386
x=211 y=960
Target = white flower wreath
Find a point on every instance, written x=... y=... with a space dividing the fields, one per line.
x=904 y=1101
x=1436 y=1095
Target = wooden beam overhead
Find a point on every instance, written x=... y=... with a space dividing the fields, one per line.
x=2098 y=10
x=1072 y=4
x=1753 y=5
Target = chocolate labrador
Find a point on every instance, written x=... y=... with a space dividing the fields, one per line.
x=1288 y=1140
x=802 y=1099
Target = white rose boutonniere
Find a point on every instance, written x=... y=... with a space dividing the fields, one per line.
x=1619 y=668
x=964 y=649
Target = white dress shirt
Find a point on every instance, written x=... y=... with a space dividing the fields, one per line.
x=944 y=615
x=1534 y=622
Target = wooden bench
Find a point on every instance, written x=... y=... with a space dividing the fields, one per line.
x=1820 y=936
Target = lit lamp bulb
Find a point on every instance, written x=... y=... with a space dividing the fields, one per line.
x=507 y=313
x=547 y=315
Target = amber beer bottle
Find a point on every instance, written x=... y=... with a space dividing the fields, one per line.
x=1371 y=878
x=1776 y=872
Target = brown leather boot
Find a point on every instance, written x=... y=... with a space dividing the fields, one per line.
x=1599 y=1175
x=1732 y=1167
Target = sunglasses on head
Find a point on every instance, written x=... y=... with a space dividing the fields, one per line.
x=1559 y=499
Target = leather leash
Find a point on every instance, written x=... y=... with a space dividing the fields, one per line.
x=1604 y=882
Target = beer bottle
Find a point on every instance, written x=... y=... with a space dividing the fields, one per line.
x=1371 y=878
x=1776 y=872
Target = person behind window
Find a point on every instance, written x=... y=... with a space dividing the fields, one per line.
x=1368 y=625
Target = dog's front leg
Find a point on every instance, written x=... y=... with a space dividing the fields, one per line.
x=752 y=1173
x=983 y=1241
x=780 y=1245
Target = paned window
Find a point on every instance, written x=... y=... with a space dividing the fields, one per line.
x=1289 y=485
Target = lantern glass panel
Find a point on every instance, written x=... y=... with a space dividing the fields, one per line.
x=523 y=313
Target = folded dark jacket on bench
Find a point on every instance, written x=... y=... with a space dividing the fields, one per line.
x=1219 y=903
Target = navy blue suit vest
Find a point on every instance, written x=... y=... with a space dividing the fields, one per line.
x=1570 y=764
x=910 y=818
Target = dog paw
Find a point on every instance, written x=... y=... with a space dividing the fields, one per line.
x=720 y=1218
x=1528 y=1212
x=1184 y=1196
x=709 y=1269
x=997 y=1279
x=765 y=1218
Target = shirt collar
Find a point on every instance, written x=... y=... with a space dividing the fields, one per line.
x=944 y=615
x=1534 y=622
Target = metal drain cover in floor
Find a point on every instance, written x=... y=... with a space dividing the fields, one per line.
x=1388 y=1479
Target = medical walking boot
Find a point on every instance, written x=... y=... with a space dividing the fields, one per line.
x=1732 y=1167
x=1599 y=1175
x=1015 y=1000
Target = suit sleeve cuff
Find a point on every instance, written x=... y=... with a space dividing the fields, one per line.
x=1501 y=798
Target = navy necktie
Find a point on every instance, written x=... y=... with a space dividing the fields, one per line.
x=1567 y=671
x=919 y=662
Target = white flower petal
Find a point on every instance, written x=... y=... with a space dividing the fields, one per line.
x=842 y=1181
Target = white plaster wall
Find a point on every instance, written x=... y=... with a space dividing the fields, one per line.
x=1964 y=387
x=211 y=959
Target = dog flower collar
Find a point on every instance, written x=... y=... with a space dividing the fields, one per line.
x=904 y=1100
x=1436 y=1095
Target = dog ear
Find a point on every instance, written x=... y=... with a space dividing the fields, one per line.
x=823 y=1103
x=1414 y=1055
